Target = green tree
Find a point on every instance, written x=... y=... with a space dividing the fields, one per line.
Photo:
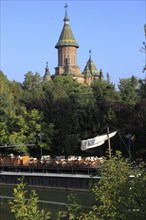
x=142 y=89
x=104 y=90
x=120 y=194
x=24 y=208
x=15 y=90
x=128 y=90
x=106 y=98
x=31 y=80
x=108 y=78
x=65 y=100
x=7 y=108
x=138 y=123
x=32 y=95
x=3 y=82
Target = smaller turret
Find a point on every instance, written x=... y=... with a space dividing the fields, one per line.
x=91 y=67
x=47 y=76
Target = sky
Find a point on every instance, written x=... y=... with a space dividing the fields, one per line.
x=113 y=30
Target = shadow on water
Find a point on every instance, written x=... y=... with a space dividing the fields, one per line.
x=51 y=199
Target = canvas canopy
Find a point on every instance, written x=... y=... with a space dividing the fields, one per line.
x=96 y=141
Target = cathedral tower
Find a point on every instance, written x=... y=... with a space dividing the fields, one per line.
x=67 y=50
x=90 y=71
x=47 y=76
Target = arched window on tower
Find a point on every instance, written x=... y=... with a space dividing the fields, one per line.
x=60 y=59
x=64 y=60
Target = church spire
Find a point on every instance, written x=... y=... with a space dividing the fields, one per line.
x=90 y=51
x=47 y=75
x=90 y=66
x=66 y=19
x=67 y=49
x=66 y=37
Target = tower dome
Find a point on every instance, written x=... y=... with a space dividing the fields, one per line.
x=66 y=37
x=67 y=49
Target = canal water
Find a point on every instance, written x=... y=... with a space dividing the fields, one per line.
x=54 y=200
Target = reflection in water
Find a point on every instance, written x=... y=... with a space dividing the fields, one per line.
x=52 y=199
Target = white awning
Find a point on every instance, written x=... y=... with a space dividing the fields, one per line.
x=96 y=141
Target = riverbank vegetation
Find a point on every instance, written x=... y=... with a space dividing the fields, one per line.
x=26 y=208
x=56 y=115
x=120 y=194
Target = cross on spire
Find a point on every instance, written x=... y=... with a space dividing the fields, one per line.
x=90 y=51
x=66 y=19
x=66 y=6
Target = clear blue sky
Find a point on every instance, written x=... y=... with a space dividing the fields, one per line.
x=113 y=30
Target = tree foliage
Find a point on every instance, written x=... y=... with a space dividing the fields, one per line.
x=128 y=90
x=24 y=208
x=120 y=194
x=66 y=112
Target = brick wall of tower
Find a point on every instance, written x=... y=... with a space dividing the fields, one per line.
x=61 y=69
x=69 y=53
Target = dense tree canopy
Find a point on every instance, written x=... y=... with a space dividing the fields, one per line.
x=66 y=112
x=128 y=90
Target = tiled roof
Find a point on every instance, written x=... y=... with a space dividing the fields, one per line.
x=90 y=68
x=66 y=38
x=86 y=71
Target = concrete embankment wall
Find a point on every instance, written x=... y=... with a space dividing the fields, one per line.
x=60 y=181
